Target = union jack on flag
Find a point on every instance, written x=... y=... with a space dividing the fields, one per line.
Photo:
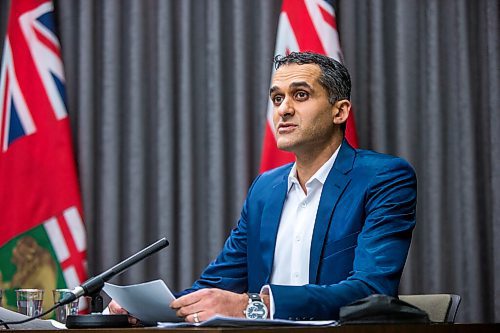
x=36 y=29
x=40 y=203
x=304 y=25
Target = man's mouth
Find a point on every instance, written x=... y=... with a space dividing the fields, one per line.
x=285 y=128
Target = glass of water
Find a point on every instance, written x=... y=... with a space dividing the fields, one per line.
x=29 y=301
x=64 y=310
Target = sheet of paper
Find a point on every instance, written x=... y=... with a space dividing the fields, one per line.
x=7 y=315
x=149 y=302
x=221 y=321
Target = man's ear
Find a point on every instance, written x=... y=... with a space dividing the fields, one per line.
x=341 y=111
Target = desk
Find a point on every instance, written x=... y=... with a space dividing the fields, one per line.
x=394 y=328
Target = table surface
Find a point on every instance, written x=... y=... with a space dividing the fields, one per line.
x=376 y=328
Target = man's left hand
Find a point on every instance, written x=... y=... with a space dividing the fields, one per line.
x=205 y=303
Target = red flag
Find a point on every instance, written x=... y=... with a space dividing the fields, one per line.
x=40 y=203
x=304 y=25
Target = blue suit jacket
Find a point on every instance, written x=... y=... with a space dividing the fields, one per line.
x=360 y=240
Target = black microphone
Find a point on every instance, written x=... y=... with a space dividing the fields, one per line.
x=95 y=284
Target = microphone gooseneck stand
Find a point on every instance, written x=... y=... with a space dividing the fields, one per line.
x=93 y=286
x=96 y=319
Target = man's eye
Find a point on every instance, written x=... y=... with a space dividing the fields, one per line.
x=301 y=95
x=277 y=100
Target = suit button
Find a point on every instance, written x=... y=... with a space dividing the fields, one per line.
x=290 y=318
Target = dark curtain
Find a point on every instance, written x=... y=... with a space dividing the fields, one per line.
x=426 y=86
x=167 y=101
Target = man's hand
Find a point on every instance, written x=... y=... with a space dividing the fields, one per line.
x=205 y=303
x=115 y=308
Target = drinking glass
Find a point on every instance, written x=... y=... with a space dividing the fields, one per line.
x=29 y=301
x=63 y=311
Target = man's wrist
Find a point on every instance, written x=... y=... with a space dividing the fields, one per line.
x=257 y=306
x=245 y=299
x=267 y=302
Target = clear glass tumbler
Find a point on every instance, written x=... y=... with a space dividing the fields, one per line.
x=29 y=301
x=63 y=311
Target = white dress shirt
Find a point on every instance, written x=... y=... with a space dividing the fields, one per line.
x=293 y=243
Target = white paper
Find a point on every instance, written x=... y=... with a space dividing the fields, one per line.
x=149 y=302
x=7 y=315
x=222 y=321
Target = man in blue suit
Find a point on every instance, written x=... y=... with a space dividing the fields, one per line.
x=315 y=235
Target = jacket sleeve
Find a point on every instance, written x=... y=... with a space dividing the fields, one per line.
x=382 y=248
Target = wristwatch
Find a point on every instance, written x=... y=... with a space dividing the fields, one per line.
x=256 y=309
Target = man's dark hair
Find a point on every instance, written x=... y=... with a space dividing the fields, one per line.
x=334 y=76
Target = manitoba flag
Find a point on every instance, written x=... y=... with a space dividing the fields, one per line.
x=42 y=235
x=304 y=25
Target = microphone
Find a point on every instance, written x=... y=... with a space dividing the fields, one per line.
x=96 y=283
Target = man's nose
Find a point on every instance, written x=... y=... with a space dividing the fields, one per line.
x=286 y=109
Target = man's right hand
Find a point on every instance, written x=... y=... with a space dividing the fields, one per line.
x=115 y=308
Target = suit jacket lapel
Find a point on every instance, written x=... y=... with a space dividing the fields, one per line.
x=269 y=225
x=333 y=188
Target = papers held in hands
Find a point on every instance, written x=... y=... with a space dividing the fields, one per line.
x=149 y=302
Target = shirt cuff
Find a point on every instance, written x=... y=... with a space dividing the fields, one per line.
x=266 y=290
